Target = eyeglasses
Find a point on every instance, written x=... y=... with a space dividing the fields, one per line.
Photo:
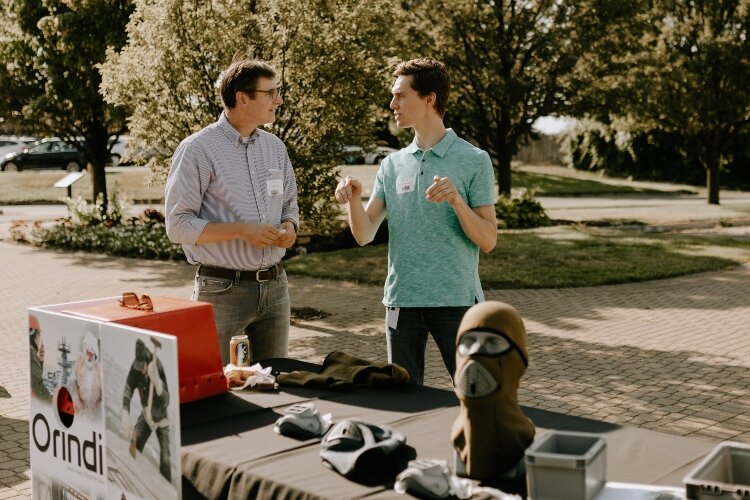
x=131 y=301
x=272 y=93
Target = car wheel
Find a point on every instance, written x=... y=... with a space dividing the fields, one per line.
x=378 y=159
x=72 y=166
x=11 y=167
x=114 y=159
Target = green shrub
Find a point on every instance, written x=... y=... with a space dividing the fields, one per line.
x=92 y=229
x=520 y=213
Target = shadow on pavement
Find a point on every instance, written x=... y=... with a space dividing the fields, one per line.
x=626 y=382
x=564 y=308
x=155 y=273
x=14 y=455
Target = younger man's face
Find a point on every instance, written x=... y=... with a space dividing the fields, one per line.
x=409 y=108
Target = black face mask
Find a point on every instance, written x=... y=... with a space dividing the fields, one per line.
x=364 y=452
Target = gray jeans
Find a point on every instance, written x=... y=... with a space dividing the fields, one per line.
x=259 y=310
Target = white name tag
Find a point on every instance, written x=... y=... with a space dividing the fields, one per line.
x=275 y=187
x=405 y=184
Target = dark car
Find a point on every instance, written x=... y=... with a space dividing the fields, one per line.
x=47 y=153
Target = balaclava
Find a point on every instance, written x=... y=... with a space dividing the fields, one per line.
x=491 y=433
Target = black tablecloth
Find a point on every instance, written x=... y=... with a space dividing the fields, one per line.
x=229 y=449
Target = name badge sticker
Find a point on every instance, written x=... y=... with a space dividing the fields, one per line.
x=275 y=187
x=405 y=184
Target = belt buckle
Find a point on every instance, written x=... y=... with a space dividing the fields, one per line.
x=257 y=275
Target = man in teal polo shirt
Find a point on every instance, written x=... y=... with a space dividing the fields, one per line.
x=438 y=193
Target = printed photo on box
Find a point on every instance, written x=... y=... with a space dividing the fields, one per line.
x=142 y=407
x=66 y=416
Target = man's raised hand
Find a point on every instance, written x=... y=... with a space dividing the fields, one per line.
x=442 y=189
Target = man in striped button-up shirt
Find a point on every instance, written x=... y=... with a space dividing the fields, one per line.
x=231 y=201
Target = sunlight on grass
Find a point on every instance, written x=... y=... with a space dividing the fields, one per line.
x=549 y=185
x=36 y=186
x=569 y=256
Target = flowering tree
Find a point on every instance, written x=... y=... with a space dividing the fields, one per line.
x=331 y=62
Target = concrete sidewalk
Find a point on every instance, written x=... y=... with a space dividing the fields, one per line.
x=671 y=355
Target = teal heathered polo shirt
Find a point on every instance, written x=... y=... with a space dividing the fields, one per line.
x=431 y=262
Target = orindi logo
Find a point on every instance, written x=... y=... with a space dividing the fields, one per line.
x=68 y=447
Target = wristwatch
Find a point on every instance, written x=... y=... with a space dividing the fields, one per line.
x=294 y=224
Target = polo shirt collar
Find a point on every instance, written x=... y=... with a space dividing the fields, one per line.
x=440 y=148
x=232 y=133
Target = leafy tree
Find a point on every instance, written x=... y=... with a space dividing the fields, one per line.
x=697 y=72
x=50 y=81
x=511 y=62
x=680 y=70
x=330 y=59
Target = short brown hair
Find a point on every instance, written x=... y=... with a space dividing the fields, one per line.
x=429 y=76
x=242 y=76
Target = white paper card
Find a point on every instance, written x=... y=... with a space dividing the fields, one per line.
x=405 y=184
x=391 y=317
x=275 y=187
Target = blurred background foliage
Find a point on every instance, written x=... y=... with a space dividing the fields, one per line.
x=658 y=87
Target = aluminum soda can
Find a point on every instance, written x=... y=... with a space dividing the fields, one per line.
x=239 y=350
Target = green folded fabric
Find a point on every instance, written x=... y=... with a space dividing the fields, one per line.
x=343 y=371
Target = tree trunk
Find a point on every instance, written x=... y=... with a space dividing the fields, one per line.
x=504 y=153
x=99 y=182
x=712 y=162
x=97 y=152
x=503 y=170
x=712 y=181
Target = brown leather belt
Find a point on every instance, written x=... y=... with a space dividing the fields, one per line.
x=259 y=276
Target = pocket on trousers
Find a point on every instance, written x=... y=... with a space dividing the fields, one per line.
x=209 y=285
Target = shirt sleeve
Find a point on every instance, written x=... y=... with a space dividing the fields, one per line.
x=482 y=186
x=290 y=210
x=187 y=182
x=378 y=188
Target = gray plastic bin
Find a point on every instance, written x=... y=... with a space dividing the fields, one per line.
x=566 y=466
x=724 y=473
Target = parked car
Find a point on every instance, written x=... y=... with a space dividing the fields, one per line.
x=378 y=155
x=13 y=144
x=355 y=155
x=45 y=154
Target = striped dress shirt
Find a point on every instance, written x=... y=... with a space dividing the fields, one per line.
x=216 y=176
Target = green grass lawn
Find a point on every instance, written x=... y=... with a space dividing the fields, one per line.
x=555 y=185
x=562 y=256
x=35 y=186
x=567 y=256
